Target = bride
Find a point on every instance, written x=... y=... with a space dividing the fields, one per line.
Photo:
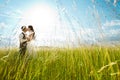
x=30 y=43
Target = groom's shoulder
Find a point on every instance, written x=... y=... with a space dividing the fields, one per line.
x=21 y=34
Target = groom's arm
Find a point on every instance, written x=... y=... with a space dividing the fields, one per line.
x=21 y=38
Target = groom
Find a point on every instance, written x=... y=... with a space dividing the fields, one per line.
x=23 y=41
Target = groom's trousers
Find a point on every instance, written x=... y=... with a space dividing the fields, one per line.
x=22 y=50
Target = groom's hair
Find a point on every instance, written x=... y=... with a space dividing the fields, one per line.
x=23 y=28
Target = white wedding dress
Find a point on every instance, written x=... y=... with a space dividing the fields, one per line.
x=31 y=45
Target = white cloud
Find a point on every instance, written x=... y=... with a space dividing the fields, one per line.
x=2 y=25
x=17 y=14
x=18 y=11
x=112 y=23
x=115 y=32
x=112 y=32
x=115 y=2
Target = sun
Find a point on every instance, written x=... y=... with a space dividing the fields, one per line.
x=41 y=16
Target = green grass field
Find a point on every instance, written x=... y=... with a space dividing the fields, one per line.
x=93 y=63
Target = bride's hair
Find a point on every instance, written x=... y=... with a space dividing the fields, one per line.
x=31 y=28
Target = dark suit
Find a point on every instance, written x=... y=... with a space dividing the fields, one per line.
x=23 y=43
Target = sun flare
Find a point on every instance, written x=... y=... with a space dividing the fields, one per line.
x=41 y=16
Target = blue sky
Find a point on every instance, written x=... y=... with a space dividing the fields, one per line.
x=61 y=22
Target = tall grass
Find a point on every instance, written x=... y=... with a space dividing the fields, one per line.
x=93 y=63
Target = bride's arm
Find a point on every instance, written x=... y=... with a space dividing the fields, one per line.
x=31 y=36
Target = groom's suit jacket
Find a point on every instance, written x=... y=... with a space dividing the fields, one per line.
x=23 y=40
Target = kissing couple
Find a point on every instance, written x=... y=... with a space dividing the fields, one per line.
x=26 y=39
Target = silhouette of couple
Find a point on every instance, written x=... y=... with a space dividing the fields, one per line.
x=26 y=39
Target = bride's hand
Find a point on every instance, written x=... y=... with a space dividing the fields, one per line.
x=28 y=39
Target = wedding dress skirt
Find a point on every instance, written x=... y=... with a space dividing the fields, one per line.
x=31 y=47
